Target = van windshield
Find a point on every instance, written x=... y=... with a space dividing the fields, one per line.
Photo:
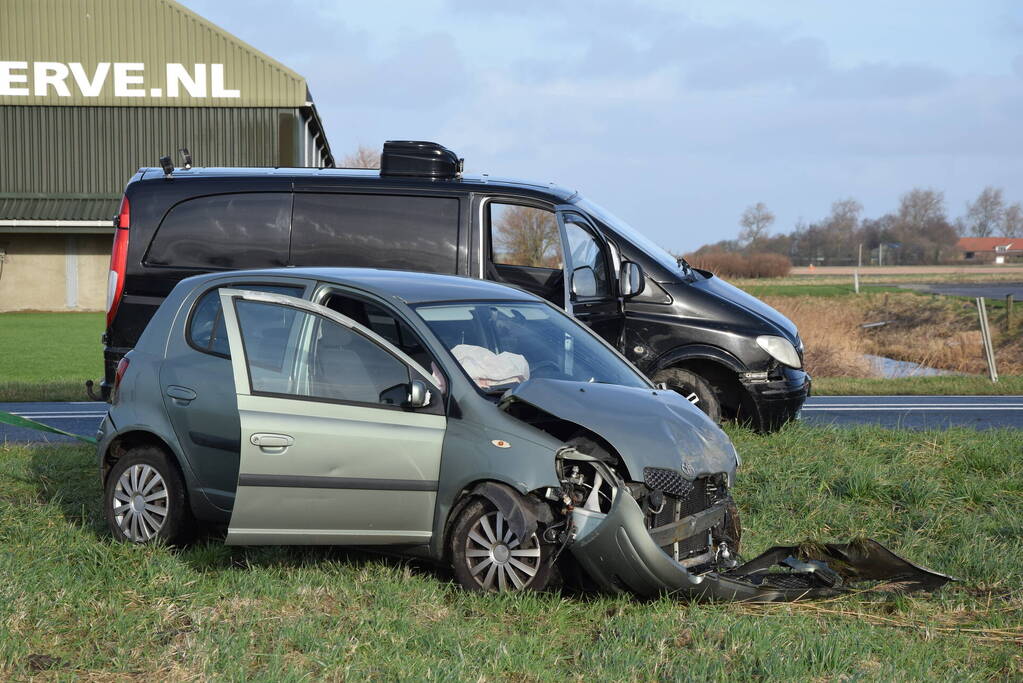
x=500 y=345
x=672 y=264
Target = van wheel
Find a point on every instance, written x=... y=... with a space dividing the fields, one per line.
x=694 y=388
x=144 y=499
x=487 y=556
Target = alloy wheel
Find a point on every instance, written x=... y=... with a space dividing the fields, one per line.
x=496 y=558
x=140 y=503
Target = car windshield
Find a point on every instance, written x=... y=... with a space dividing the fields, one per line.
x=500 y=345
x=638 y=239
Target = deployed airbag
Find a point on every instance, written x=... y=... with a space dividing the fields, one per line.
x=488 y=369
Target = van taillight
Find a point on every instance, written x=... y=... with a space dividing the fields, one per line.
x=122 y=366
x=118 y=261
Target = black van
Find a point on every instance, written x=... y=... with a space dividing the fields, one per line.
x=729 y=353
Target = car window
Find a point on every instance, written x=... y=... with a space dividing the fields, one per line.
x=388 y=326
x=227 y=231
x=206 y=331
x=499 y=345
x=589 y=268
x=375 y=231
x=524 y=236
x=296 y=353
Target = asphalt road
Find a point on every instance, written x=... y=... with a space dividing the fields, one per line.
x=917 y=412
x=900 y=412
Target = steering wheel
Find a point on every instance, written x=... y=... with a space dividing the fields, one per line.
x=536 y=370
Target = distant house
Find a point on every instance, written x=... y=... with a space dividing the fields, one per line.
x=990 y=249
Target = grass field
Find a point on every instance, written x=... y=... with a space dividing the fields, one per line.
x=906 y=275
x=764 y=288
x=48 y=356
x=75 y=604
x=1009 y=385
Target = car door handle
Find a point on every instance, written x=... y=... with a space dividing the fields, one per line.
x=271 y=442
x=181 y=395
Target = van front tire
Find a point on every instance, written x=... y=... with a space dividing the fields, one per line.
x=693 y=388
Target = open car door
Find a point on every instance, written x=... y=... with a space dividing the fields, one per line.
x=341 y=432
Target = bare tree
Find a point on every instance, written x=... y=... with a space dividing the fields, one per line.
x=363 y=157
x=524 y=236
x=1012 y=221
x=984 y=216
x=845 y=216
x=918 y=207
x=756 y=220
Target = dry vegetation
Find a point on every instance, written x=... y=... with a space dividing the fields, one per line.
x=936 y=332
x=729 y=264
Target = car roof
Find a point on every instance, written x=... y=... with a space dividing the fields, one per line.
x=410 y=287
x=466 y=182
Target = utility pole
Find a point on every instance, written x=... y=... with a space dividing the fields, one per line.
x=880 y=254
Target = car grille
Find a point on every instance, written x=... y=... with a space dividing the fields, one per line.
x=682 y=498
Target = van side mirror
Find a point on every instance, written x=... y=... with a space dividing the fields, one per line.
x=631 y=279
x=418 y=394
x=584 y=282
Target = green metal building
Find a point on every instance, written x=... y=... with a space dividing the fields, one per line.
x=90 y=90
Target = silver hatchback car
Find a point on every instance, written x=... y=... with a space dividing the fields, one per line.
x=463 y=421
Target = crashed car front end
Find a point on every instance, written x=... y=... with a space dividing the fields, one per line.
x=644 y=505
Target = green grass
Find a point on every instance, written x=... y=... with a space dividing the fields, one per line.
x=950 y=385
x=48 y=356
x=808 y=289
x=77 y=604
x=868 y=276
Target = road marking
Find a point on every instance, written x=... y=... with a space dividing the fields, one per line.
x=951 y=409
x=916 y=405
x=52 y=416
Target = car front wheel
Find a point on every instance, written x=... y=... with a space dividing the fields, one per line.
x=145 y=498
x=486 y=554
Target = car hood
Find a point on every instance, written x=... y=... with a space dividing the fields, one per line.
x=647 y=427
x=718 y=288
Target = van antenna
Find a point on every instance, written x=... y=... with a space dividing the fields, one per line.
x=167 y=165
x=186 y=158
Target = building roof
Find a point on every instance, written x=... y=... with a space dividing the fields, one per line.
x=148 y=48
x=989 y=243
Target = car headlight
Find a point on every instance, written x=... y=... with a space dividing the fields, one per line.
x=780 y=349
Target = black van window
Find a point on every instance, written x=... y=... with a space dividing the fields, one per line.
x=206 y=330
x=588 y=265
x=226 y=231
x=524 y=236
x=375 y=231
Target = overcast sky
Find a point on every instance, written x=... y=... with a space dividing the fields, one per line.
x=674 y=115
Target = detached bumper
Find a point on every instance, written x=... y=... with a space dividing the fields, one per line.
x=618 y=553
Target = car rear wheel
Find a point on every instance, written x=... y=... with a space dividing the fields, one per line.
x=145 y=499
x=486 y=554
x=694 y=388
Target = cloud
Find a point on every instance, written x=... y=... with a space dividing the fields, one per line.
x=674 y=122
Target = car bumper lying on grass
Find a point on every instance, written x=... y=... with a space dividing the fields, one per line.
x=620 y=554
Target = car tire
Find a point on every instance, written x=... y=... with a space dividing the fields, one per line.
x=486 y=555
x=694 y=388
x=144 y=499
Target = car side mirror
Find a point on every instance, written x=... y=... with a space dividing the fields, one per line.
x=418 y=394
x=584 y=282
x=631 y=279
